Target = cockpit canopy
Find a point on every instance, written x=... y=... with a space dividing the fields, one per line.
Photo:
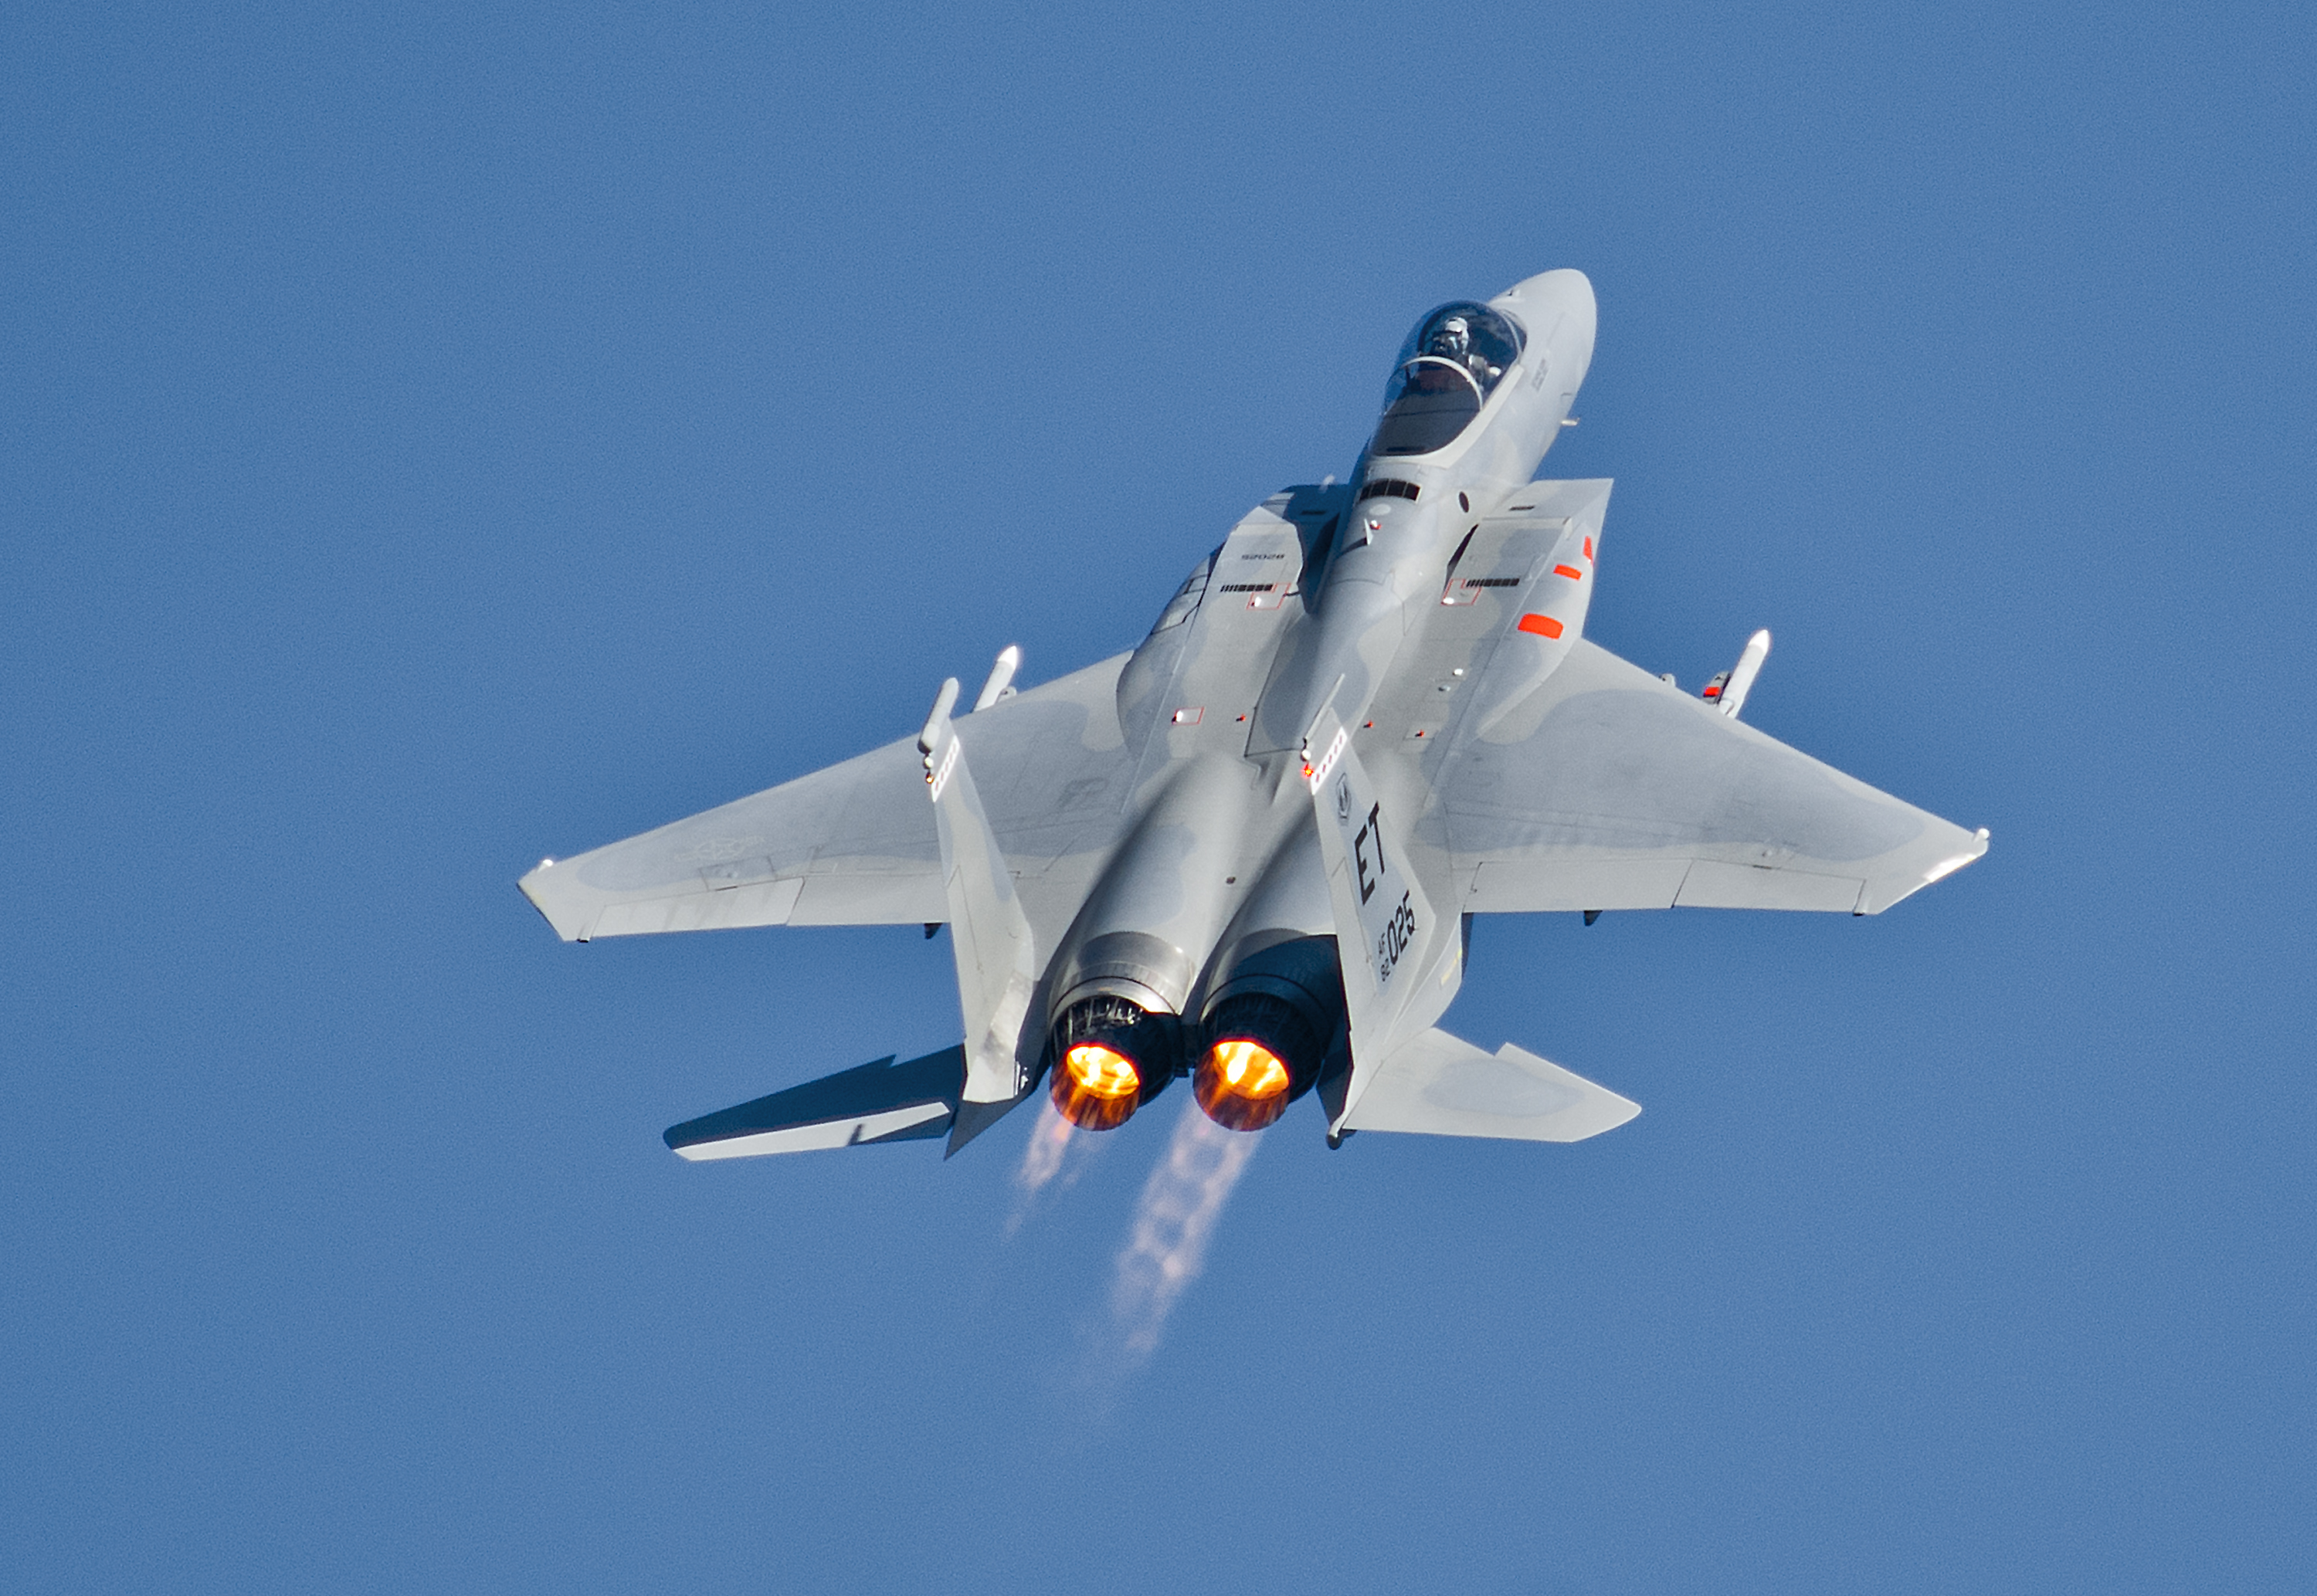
x=1447 y=368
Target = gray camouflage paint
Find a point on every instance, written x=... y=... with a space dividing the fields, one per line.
x=1152 y=807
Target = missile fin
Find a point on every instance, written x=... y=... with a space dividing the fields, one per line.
x=1741 y=676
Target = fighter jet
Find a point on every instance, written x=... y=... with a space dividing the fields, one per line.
x=1250 y=850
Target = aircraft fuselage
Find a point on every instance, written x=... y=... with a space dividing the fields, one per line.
x=1215 y=907
x=1249 y=852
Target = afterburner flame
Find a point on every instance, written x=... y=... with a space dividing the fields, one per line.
x=1102 y=1071
x=1249 y=1070
x=1241 y=1084
x=1097 y=1087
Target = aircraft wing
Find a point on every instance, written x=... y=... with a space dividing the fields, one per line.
x=1608 y=788
x=855 y=843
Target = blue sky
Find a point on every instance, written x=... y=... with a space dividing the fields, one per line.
x=438 y=440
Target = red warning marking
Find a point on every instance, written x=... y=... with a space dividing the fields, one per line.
x=1544 y=626
x=1572 y=572
x=1588 y=548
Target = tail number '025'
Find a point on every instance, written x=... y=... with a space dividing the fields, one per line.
x=1394 y=940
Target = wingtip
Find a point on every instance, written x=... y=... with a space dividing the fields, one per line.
x=567 y=917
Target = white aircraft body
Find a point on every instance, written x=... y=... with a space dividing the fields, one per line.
x=1249 y=851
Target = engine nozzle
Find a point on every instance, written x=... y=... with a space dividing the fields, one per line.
x=1261 y=1054
x=1241 y=1084
x=1111 y=1057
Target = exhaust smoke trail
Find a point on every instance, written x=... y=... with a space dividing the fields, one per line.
x=1049 y=1147
x=1179 y=1205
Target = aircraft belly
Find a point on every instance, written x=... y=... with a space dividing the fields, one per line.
x=1202 y=824
x=1052 y=898
x=1252 y=606
x=1340 y=655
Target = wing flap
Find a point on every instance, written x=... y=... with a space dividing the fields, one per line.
x=1502 y=887
x=867 y=897
x=1711 y=884
x=760 y=903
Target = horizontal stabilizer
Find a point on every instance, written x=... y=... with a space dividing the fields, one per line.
x=882 y=1101
x=1438 y=1084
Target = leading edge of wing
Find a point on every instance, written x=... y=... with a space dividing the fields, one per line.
x=1609 y=789
x=854 y=843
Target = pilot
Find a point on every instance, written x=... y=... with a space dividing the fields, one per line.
x=1453 y=340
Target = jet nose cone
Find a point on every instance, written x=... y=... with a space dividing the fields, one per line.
x=1557 y=306
x=1537 y=301
x=1561 y=282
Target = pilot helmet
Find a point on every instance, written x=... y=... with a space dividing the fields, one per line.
x=1453 y=338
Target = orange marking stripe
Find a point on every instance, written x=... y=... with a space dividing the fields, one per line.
x=1588 y=548
x=1544 y=626
x=1572 y=572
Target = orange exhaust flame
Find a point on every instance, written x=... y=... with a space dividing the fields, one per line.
x=1241 y=1085
x=1097 y=1087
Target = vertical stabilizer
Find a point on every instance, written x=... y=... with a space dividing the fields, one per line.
x=997 y=961
x=1402 y=961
